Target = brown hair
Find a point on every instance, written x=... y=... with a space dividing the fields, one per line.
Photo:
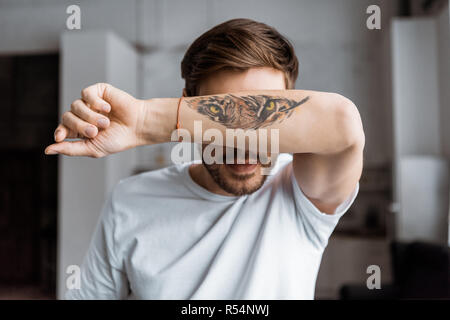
x=238 y=44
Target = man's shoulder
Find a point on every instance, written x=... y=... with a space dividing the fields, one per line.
x=150 y=183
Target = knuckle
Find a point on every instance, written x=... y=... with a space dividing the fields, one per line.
x=81 y=127
x=106 y=90
x=75 y=105
x=102 y=85
x=84 y=92
x=65 y=116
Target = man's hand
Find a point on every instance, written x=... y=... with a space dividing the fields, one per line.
x=106 y=119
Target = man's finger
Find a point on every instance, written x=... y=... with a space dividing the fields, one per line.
x=93 y=96
x=61 y=133
x=80 y=109
x=79 y=126
x=71 y=148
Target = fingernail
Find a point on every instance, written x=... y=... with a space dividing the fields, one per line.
x=106 y=108
x=51 y=152
x=90 y=131
x=103 y=122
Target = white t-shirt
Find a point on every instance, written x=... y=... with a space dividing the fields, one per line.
x=162 y=236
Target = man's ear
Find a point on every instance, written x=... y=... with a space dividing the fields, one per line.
x=184 y=92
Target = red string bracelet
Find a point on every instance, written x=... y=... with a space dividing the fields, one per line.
x=178 y=125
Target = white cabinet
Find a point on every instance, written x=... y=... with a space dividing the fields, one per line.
x=88 y=58
x=421 y=173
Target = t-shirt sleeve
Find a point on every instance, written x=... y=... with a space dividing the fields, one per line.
x=317 y=225
x=101 y=275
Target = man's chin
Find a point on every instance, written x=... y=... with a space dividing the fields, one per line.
x=236 y=179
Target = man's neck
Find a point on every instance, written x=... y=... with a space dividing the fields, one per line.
x=201 y=176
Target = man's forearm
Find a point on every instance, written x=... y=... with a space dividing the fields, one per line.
x=308 y=121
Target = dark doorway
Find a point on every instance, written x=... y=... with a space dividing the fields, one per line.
x=28 y=184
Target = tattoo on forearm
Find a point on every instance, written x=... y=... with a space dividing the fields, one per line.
x=245 y=112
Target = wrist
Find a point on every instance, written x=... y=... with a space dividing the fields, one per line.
x=158 y=120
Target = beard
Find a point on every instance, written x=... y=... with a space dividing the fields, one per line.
x=237 y=184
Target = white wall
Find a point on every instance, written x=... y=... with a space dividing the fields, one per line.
x=443 y=34
x=84 y=183
x=36 y=25
x=421 y=175
x=416 y=87
x=443 y=37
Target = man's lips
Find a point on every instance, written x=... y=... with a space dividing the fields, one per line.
x=242 y=168
x=245 y=168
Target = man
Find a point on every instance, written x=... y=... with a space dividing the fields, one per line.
x=219 y=231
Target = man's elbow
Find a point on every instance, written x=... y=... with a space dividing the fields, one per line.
x=350 y=125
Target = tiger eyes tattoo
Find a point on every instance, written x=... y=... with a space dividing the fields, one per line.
x=245 y=112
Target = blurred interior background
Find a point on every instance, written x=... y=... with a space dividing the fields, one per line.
x=398 y=77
